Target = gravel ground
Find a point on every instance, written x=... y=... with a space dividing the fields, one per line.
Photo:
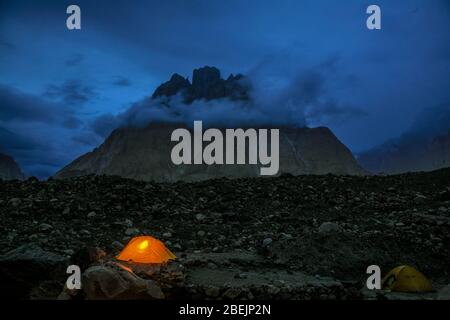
x=278 y=234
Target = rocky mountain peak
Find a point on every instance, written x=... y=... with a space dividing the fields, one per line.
x=207 y=84
x=175 y=85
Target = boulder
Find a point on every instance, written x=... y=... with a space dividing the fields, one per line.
x=444 y=293
x=115 y=282
x=24 y=267
x=87 y=256
x=329 y=227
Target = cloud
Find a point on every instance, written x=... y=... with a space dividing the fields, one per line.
x=105 y=124
x=292 y=99
x=75 y=60
x=72 y=122
x=71 y=92
x=87 y=139
x=37 y=132
x=330 y=111
x=20 y=106
x=19 y=146
x=6 y=44
x=417 y=142
x=430 y=123
x=45 y=151
x=11 y=142
x=396 y=77
x=122 y=82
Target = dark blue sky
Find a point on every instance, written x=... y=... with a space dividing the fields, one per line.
x=368 y=86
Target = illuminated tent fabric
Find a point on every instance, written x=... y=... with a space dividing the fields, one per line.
x=406 y=279
x=146 y=249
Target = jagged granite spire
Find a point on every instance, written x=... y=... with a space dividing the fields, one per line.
x=207 y=84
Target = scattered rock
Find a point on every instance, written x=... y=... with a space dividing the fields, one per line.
x=115 y=283
x=267 y=242
x=420 y=199
x=87 y=256
x=132 y=231
x=43 y=227
x=91 y=214
x=200 y=217
x=117 y=245
x=85 y=232
x=212 y=291
x=444 y=293
x=273 y=290
x=15 y=202
x=27 y=265
x=68 y=294
x=201 y=233
x=237 y=216
x=232 y=293
x=69 y=252
x=329 y=227
x=128 y=223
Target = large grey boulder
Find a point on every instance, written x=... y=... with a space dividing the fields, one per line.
x=24 y=267
x=444 y=293
x=113 y=282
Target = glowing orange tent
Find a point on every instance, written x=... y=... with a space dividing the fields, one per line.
x=146 y=249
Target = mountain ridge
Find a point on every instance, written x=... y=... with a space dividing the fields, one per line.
x=143 y=153
x=425 y=146
x=9 y=169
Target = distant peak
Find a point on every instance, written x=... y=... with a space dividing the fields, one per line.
x=9 y=169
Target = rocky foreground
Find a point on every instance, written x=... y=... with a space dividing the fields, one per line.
x=305 y=237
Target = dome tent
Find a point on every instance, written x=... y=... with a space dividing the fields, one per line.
x=406 y=279
x=146 y=249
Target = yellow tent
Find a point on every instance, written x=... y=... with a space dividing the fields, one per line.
x=146 y=249
x=406 y=279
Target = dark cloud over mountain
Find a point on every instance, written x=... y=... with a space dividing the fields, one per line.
x=22 y=113
x=304 y=98
x=19 y=106
x=424 y=146
x=11 y=142
x=310 y=63
x=71 y=92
